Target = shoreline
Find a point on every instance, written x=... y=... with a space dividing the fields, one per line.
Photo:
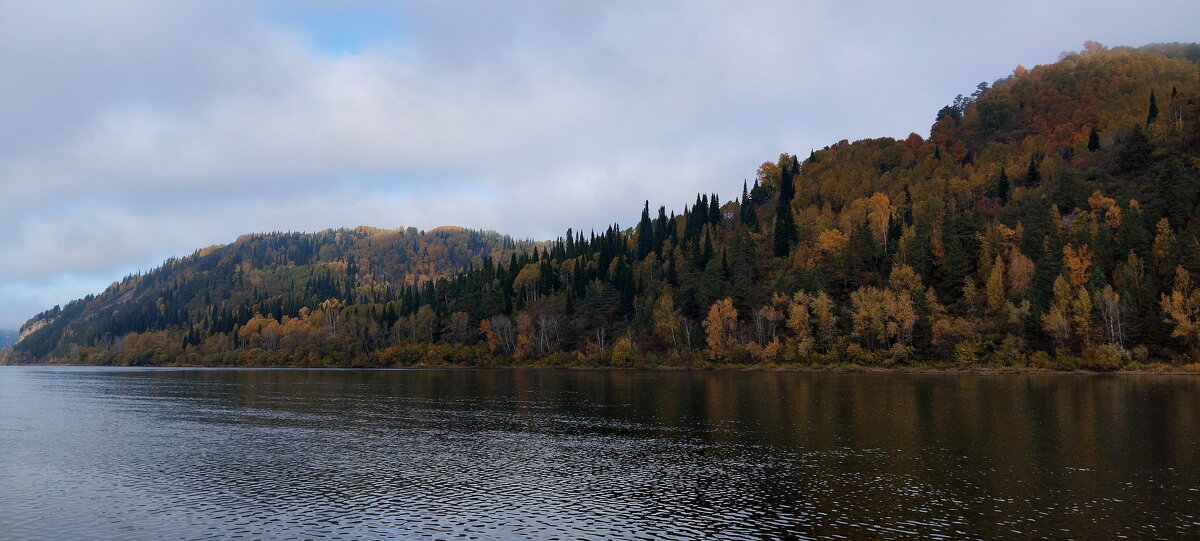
x=1153 y=370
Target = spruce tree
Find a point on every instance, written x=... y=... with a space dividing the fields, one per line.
x=747 y=213
x=1174 y=191
x=706 y=253
x=961 y=242
x=785 y=223
x=1002 y=186
x=863 y=255
x=1134 y=155
x=1133 y=235
x=645 y=233
x=1094 y=140
x=1152 y=115
x=1033 y=175
x=759 y=193
x=741 y=271
x=712 y=284
x=660 y=230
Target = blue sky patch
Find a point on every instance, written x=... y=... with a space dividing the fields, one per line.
x=341 y=28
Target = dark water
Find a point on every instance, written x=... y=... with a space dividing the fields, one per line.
x=543 y=454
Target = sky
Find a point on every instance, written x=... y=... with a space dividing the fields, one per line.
x=133 y=131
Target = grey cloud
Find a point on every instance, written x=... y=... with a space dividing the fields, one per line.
x=136 y=130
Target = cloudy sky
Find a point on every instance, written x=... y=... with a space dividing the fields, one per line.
x=134 y=131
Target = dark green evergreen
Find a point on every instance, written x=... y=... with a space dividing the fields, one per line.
x=1152 y=114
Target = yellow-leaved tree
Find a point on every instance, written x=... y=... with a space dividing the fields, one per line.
x=1182 y=308
x=666 y=320
x=1069 y=317
x=720 y=328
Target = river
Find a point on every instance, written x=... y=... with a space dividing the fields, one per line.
x=594 y=454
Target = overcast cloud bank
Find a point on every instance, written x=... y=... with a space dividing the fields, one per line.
x=133 y=131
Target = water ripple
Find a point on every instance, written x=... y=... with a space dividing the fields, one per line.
x=553 y=455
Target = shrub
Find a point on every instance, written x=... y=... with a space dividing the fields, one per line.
x=1104 y=357
x=1041 y=359
x=967 y=352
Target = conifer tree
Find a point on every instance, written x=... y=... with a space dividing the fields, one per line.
x=1174 y=191
x=749 y=213
x=741 y=270
x=1002 y=186
x=1033 y=175
x=1093 y=140
x=1135 y=153
x=661 y=231
x=645 y=233
x=785 y=223
x=1152 y=115
x=746 y=208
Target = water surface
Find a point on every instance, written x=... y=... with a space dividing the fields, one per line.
x=545 y=454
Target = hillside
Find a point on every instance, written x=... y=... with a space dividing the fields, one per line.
x=1049 y=219
x=220 y=288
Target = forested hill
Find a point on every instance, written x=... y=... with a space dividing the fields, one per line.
x=1049 y=219
x=220 y=288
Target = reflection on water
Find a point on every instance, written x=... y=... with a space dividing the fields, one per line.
x=481 y=454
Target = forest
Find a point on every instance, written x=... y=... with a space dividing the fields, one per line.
x=1048 y=221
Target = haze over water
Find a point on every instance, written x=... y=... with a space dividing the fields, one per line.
x=187 y=453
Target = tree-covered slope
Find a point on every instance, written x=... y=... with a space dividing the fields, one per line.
x=222 y=287
x=1049 y=219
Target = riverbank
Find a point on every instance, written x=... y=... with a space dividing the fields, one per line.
x=1156 y=368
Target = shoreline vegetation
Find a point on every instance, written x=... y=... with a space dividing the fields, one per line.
x=1153 y=369
x=1049 y=221
x=471 y=357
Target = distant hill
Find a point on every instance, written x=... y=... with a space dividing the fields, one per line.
x=220 y=287
x=1049 y=219
x=7 y=338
